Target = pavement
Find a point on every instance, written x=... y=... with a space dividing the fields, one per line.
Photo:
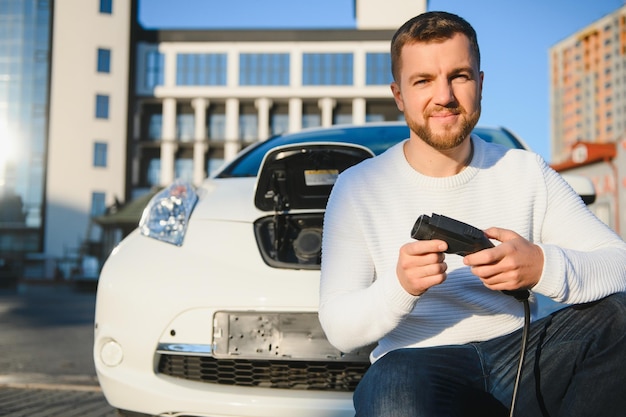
x=28 y=394
x=37 y=395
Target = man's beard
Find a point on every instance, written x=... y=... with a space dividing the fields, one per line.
x=453 y=136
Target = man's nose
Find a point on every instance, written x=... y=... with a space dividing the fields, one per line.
x=443 y=93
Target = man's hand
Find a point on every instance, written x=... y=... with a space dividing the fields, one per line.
x=421 y=265
x=513 y=265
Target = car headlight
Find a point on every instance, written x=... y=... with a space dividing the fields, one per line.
x=166 y=216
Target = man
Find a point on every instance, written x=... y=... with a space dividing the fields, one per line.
x=448 y=339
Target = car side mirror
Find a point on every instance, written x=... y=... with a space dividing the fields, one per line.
x=583 y=186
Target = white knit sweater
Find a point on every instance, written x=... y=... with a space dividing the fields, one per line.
x=372 y=209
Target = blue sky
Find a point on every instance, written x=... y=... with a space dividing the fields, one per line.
x=514 y=38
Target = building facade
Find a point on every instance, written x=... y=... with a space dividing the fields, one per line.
x=24 y=67
x=88 y=127
x=588 y=102
x=588 y=85
x=203 y=96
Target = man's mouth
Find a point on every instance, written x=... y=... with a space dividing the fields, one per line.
x=445 y=113
x=444 y=117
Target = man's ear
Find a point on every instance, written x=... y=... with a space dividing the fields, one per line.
x=397 y=96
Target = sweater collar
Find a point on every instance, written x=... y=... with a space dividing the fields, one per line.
x=443 y=182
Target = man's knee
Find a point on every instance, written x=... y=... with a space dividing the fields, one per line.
x=598 y=329
x=595 y=367
x=425 y=382
x=609 y=311
x=390 y=387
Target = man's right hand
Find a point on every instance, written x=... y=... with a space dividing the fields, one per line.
x=421 y=265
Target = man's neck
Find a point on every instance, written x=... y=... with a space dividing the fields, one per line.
x=437 y=163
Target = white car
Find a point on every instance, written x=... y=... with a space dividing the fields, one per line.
x=209 y=308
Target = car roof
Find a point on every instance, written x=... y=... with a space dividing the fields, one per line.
x=377 y=137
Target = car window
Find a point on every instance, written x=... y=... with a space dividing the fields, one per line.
x=498 y=135
x=377 y=138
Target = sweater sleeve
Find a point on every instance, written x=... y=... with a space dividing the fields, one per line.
x=356 y=309
x=584 y=260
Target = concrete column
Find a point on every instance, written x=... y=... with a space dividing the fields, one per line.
x=231 y=145
x=358 y=111
x=295 y=72
x=168 y=141
x=232 y=65
x=199 y=105
x=168 y=126
x=295 y=114
x=169 y=76
x=200 y=145
x=360 y=67
x=263 y=106
x=327 y=105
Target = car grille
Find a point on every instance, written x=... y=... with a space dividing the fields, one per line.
x=302 y=375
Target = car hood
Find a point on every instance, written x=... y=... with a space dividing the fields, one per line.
x=228 y=199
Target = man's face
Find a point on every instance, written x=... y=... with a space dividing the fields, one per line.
x=439 y=90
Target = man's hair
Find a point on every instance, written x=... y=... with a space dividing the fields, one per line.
x=430 y=27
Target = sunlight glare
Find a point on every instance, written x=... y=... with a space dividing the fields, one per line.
x=6 y=150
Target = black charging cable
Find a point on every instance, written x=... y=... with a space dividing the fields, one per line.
x=522 y=296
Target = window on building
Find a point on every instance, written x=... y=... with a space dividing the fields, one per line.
x=342 y=119
x=98 y=204
x=183 y=169
x=264 y=69
x=327 y=69
x=248 y=127
x=100 y=152
x=155 y=63
x=104 y=60
x=106 y=6
x=102 y=106
x=374 y=117
x=155 y=125
x=378 y=69
x=311 y=120
x=201 y=69
x=217 y=126
x=185 y=127
x=213 y=164
x=153 y=176
x=279 y=123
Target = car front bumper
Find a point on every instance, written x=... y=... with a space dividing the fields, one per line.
x=146 y=307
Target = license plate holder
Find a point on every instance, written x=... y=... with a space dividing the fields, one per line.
x=276 y=335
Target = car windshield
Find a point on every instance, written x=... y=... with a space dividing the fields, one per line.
x=376 y=137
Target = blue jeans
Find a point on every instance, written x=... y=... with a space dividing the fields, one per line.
x=575 y=366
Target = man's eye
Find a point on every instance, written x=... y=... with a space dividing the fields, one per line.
x=461 y=78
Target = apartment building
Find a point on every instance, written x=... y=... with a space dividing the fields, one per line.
x=587 y=85
x=588 y=102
